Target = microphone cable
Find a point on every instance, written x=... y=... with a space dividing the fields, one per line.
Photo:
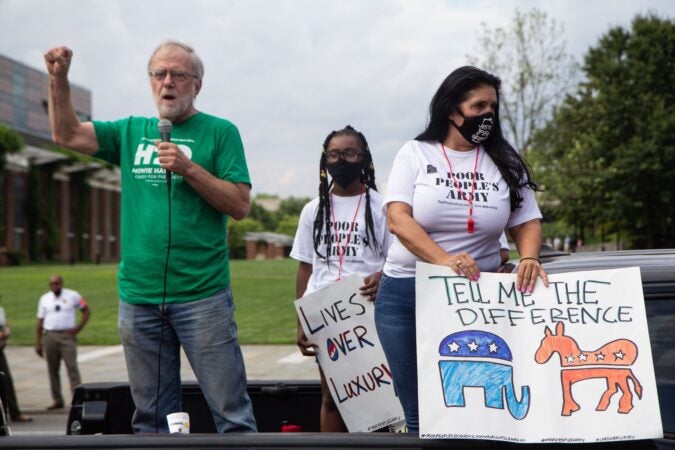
x=164 y=320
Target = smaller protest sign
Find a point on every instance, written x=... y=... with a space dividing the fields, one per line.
x=340 y=321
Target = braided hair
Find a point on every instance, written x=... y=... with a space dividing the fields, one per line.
x=323 y=213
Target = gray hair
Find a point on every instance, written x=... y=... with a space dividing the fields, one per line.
x=197 y=65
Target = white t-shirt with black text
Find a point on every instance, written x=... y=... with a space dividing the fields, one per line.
x=358 y=258
x=420 y=177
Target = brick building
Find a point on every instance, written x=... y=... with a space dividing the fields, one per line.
x=267 y=245
x=54 y=205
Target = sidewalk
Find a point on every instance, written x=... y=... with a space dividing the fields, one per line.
x=106 y=363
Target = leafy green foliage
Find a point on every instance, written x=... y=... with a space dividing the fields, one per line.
x=236 y=230
x=292 y=206
x=10 y=141
x=267 y=219
x=288 y=225
x=283 y=220
x=608 y=155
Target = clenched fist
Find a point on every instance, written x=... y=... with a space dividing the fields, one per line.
x=58 y=61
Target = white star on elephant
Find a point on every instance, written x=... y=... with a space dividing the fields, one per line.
x=473 y=346
x=493 y=348
x=453 y=346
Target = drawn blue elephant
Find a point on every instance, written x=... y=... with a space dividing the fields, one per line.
x=495 y=378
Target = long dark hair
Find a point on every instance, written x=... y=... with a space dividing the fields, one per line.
x=447 y=100
x=323 y=213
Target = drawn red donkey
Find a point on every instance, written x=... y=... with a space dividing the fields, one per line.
x=611 y=362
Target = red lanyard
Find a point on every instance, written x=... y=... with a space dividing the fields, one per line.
x=469 y=223
x=341 y=254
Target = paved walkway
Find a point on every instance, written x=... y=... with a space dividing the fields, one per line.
x=106 y=363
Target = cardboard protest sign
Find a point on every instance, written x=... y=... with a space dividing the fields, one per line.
x=341 y=323
x=571 y=363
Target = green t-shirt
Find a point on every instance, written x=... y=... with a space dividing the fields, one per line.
x=198 y=261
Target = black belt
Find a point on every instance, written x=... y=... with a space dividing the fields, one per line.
x=54 y=331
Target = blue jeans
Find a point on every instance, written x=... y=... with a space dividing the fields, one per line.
x=208 y=333
x=395 y=324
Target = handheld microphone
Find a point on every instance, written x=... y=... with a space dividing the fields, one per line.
x=165 y=127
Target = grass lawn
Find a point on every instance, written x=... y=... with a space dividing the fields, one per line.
x=263 y=292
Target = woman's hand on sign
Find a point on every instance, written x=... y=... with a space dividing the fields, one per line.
x=463 y=264
x=306 y=347
x=529 y=270
x=370 y=285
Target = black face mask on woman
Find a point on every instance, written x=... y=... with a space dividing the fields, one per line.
x=345 y=173
x=476 y=129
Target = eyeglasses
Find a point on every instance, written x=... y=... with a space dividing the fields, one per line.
x=350 y=155
x=176 y=75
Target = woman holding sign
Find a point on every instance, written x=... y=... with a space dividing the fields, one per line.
x=451 y=193
x=340 y=233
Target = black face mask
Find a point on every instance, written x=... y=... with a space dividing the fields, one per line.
x=476 y=129
x=344 y=173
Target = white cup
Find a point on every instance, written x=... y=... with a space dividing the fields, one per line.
x=179 y=422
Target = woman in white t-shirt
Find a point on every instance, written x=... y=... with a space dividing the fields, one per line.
x=451 y=193
x=340 y=233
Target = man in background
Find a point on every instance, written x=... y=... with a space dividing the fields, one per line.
x=55 y=333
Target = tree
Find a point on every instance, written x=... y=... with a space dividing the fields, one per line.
x=10 y=142
x=608 y=155
x=267 y=218
x=288 y=225
x=271 y=220
x=236 y=230
x=530 y=58
x=292 y=206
